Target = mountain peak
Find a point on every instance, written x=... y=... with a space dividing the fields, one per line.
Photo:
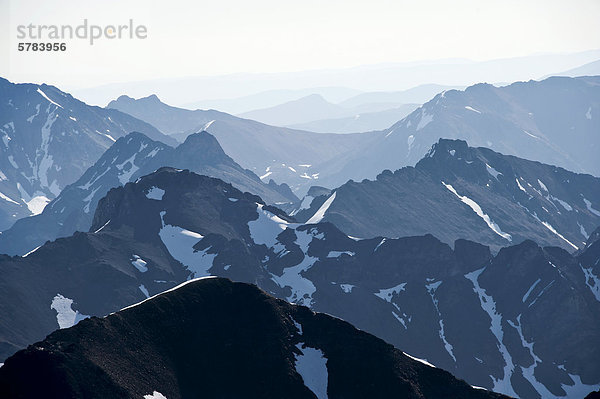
x=151 y=98
x=204 y=146
x=446 y=148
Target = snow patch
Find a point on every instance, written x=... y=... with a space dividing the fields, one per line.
x=582 y=231
x=588 y=205
x=592 y=281
x=139 y=264
x=530 y=289
x=48 y=98
x=305 y=204
x=7 y=198
x=553 y=230
x=65 y=315
x=320 y=214
x=155 y=395
x=312 y=367
x=266 y=175
x=528 y=372
x=578 y=389
x=267 y=227
x=155 y=193
x=492 y=171
x=531 y=135
x=380 y=244
x=347 y=288
x=37 y=204
x=388 y=293
x=425 y=362
x=425 y=120
x=588 y=114
x=167 y=291
x=477 y=209
x=37 y=112
x=301 y=287
x=144 y=290
x=32 y=251
x=103 y=226
x=337 y=254
x=208 y=124
x=431 y=289
x=472 y=109
x=489 y=305
x=410 y=141
x=125 y=175
x=180 y=243
x=542 y=185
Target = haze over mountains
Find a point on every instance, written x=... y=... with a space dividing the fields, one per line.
x=551 y=121
x=188 y=91
x=314 y=110
x=414 y=292
x=278 y=153
x=462 y=227
x=554 y=121
x=131 y=157
x=49 y=139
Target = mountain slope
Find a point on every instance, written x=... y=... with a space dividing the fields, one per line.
x=552 y=121
x=48 y=141
x=129 y=158
x=306 y=109
x=458 y=191
x=419 y=94
x=484 y=318
x=260 y=347
x=360 y=122
x=589 y=69
x=169 y=120
x=284 y=155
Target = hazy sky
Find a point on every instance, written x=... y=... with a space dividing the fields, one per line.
x=192 y=38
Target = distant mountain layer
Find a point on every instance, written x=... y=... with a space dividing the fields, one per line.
x=589 y=69
x=310 y=108
x=335 y=83
x=258 y=347
x=552 y=121
x=169 y=120
x=361 y=122
x=285 y=155
x=457 y=191
x=129 y=158
x=47 y=141
x=484 y=318
x=555 y=121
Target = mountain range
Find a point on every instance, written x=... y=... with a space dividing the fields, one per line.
x=284 y=155
x=127 y=159
x=360 y=122
x=485 y=318
x=457 y=191
x=361 y=113
x=526 y=119
x=554 y=121
x=190 y=91
x=49 y=139
x=258 y=347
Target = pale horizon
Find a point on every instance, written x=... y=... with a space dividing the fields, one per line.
x=195 y=39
